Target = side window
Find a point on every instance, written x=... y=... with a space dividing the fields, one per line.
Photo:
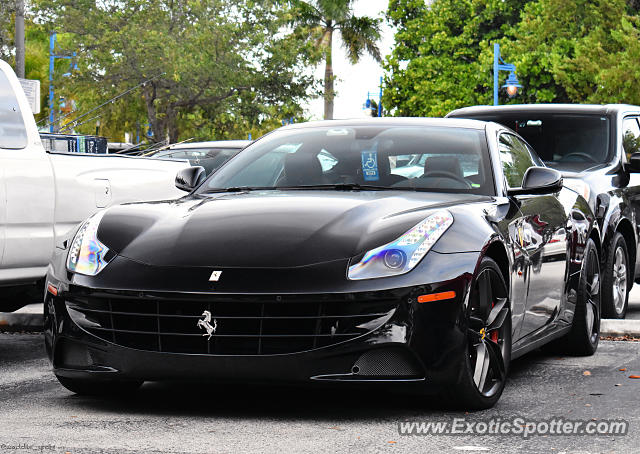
x=630 y=137
x=515 y=159
x=13 y=133
x=534 y=156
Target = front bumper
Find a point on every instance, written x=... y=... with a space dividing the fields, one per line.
x=411 y=342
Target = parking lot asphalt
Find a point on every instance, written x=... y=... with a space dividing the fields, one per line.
x=38 y=415
x=633 y=313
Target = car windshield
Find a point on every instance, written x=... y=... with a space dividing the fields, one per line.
x=430 y=158
x=564 y=141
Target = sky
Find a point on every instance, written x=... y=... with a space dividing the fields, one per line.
x=354 y=81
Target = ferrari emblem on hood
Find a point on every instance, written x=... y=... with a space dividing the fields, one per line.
x=205 y=323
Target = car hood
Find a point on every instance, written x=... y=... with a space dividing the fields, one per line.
x=274 y=229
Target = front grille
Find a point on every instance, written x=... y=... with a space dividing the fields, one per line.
x=245 y=325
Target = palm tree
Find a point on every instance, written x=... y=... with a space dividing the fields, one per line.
x=319 y=19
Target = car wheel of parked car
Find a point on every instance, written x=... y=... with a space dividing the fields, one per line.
x=585 y=329
x=615 y=280
x=90 y=387
x=486 y=361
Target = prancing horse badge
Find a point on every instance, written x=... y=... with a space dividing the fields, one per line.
x=205 y=323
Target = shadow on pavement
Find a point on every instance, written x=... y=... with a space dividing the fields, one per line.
x=317 y=403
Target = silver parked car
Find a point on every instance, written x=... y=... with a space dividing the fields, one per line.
x=210 y=155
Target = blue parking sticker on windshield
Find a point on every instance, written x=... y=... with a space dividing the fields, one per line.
x=370 y=166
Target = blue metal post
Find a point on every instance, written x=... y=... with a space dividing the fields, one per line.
x=380 y=99
x=52 y=44
x=52 y=58
x=500 y=65
x=496 y=63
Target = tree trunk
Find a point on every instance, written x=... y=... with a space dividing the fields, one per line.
x=171 y=125
x=19 y=38
x=164 y=127
x=149 y=95
x=329 y=94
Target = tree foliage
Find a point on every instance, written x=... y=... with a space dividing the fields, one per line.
x=565 y=51
x=577 y=51
x=36 y=47
x=7 y=17
x=215 y=68
x=37 y=61
x=438 y=63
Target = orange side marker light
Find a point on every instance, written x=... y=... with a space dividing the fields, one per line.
x=52 y=289
x=436 y=297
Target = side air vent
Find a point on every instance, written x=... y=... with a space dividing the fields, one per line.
x=387 y=362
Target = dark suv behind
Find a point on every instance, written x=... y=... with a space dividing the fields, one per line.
x=597 y=148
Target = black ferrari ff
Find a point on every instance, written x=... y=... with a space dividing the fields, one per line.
x=420 y=253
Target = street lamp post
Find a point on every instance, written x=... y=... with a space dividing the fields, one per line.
x=369 y=102
x=380 y=98
x=52 y=58
x=512 y=83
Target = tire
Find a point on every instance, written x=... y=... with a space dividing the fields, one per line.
x=583 y=338
x=472 y=391
x=615 y=280
x=88 y=387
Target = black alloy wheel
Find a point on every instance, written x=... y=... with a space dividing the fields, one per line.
x=616 y=279
x=585 y=329
x=488 y=352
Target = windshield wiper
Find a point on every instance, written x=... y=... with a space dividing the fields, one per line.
x=344 y=187
x=236 y=189
x=335 y=186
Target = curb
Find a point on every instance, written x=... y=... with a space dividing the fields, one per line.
x=28 y=318
x=620 y=328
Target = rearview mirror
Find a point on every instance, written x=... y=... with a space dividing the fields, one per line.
x=539 y=180
x=634 y=162
x=189 y=178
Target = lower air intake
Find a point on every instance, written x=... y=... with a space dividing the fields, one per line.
x=387 y=362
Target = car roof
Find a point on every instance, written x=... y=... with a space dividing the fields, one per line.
x=211 y=144
x=602 y=109
x=392 y=121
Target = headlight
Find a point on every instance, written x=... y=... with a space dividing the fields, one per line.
x=87 y=253
x=403 y=254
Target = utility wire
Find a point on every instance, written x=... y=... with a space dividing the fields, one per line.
x=79 y=124
x=104 y=103
x=165 y=147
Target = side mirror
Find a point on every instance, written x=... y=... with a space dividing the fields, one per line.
x=187 y=179
x=539 y=180
x=634 y=162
